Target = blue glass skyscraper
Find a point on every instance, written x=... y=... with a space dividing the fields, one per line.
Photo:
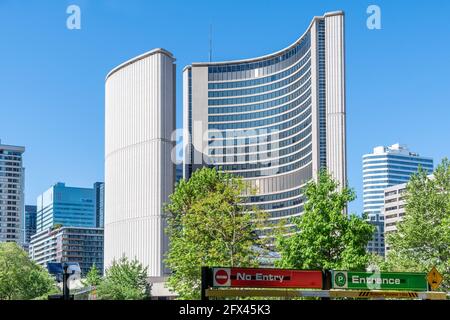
x=385 y=167
x=67 y=206
x=69 y=226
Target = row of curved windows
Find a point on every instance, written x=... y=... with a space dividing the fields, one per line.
x=270 y=87
x=257 y=156
x=374 y=192
x=389 y=159
x=260 y=141
x=260 y=114
x=264 y=143
x=368 y=199
x=381 y=184
x=246 y=150
x=265 y=139
x=276 y=196
x=429 y=161
x=281 y=204
x=403 y=179
x=286 y=213
x=391 y=176
x=367 y=162
x=259 y=123
x=374 y=203
x=262 y=131
x=373 y=197
x=258 y=106
x=262 y=97
x=265 y=163
x=412 y=166
x=273 y=171
x=379 y=171
x=298 y=49
x=259 y=81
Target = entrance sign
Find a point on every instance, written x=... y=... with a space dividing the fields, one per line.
x=379 y=280
x=266 y=278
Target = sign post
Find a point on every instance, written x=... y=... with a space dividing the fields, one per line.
x=409 y=281
x=64 y=270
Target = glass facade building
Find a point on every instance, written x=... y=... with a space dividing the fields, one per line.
x=385 y=167
x=30 y=223
x=12 y=177
x=275 y=120
x=178 y=172
x=67 y=206
x=99 y=188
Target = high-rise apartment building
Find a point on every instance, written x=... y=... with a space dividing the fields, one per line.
x=139 y=169
x=385 y=167
x=69 y=244
x=275 y=120
x=66 y=206
x=12 y=177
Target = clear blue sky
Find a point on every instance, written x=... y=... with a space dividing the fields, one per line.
x=52 y=78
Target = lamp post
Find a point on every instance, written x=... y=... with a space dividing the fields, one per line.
x=66 y=292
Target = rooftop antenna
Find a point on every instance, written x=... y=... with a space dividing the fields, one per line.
x=210 y=42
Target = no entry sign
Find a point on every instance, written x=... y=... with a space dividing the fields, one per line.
x=266 y=278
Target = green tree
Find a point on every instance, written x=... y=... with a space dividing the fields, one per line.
x=21 y=278
x=325 y=237
x=209 y=225
x=125 y=280
x=422 y=239
x=93 y=277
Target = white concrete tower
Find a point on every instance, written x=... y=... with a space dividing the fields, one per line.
x=139 y=171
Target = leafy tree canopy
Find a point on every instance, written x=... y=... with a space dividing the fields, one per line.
x=325 y=237
x=422 y=239
x=208 y=225
x=125 y=280
x=20 y=277
x=93 y=277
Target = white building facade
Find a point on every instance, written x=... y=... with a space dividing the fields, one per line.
x=385 y=167
x=12 y=184
x=275 y=120
x=139 y=171
x=394 y=209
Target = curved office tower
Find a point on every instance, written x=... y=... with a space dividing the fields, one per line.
x=275 y=120
x=139 y=173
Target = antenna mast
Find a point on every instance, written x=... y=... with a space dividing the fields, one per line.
x=210 y=42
